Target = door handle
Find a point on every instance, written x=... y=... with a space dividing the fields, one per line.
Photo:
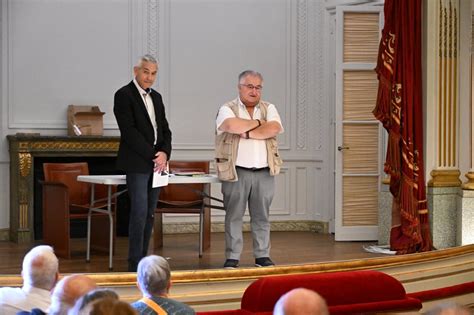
x=343 y=147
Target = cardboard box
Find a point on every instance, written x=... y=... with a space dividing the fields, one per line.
x=85 y=121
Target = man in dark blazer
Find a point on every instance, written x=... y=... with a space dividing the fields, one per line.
x=145 y=148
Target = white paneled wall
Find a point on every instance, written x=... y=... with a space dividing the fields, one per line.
x=56 y=53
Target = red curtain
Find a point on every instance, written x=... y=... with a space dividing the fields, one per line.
x=399 y=108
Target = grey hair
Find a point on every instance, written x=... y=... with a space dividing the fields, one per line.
x=247 y=73
x=153 y=275
x=146 y=58
x=40 y=267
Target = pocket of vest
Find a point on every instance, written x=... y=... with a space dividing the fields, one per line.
x=224 y=169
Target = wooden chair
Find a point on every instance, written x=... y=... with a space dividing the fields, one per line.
x=65 y=199
x=186 y=199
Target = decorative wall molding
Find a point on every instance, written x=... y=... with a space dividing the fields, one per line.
x=153 y=27
x=15 y=119
x=281 y=204
x=320 y=80
x=302 y=77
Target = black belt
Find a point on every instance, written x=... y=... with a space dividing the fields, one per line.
x=253 y=169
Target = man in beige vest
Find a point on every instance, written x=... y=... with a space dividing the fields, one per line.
x=247 y=159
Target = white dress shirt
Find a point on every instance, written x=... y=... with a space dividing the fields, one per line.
x=13 y=300
x=148 y=104
x=251 y=152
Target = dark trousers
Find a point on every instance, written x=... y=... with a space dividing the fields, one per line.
x=143 y=200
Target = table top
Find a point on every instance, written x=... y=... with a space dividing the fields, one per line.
x=173 y=179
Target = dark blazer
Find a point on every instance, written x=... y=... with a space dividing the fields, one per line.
x=136 y=151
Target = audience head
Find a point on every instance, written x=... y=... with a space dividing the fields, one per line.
x=301 y=301
x=109 y=306
x=449 y=308
x=91 y=297
x=68 y=290
x=153 y=276
x=40 y=268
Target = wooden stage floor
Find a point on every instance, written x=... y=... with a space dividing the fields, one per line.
x=288 y=248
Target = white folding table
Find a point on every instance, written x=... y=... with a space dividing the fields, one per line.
x=114 y=180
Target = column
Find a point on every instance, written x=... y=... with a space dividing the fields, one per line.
x=441 y=96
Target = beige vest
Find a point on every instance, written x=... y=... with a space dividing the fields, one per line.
x=228 y=143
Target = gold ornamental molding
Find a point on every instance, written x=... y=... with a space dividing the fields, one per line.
x=445 y=178
x=120 y=279
x=469 y=185
x=25 y=163
x=69 y=145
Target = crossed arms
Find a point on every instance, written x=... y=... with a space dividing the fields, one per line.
x=267 y=129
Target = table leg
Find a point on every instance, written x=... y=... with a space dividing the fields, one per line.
x=111 y=224
x=89 y=219
x=207 y=222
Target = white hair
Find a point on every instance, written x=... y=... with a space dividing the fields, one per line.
x=40 y=267
x=153 y=275
x=146 y=58
x=251 y=73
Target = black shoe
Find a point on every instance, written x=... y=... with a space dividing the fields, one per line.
x=231 y=264
x=264 y=262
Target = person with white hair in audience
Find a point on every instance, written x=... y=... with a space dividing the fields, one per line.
x=301 y=301
x=153 y=280
x=68 y=290
x=40 y=274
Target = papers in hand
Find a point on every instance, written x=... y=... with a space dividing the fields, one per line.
x=160 y=179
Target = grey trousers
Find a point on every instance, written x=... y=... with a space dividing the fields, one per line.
x=257 y=189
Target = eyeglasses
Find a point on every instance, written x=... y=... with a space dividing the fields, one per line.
x=258 y=88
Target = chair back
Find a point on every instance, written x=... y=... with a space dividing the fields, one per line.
x=184 y=192
x=66 y=173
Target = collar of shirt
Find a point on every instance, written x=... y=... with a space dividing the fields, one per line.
x=243 y=107
x=140 y=90
x=30 y=289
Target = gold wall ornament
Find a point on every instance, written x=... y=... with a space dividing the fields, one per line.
x=444 y=178
x=25 y=163
x=469 y=185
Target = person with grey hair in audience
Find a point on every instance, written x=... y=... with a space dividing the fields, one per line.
x=83 y=304
x=301 y=301
x=68 y=290
x=153 y=279
x=449 y=308
x=40 y=274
